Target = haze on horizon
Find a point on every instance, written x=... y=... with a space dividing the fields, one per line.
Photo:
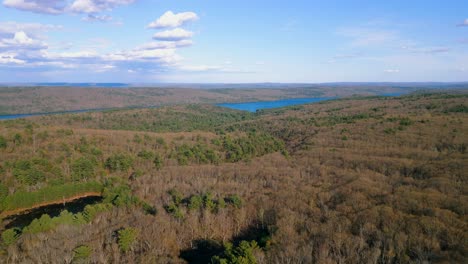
x=145 y=41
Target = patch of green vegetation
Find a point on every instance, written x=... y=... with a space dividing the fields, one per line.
x=82 y=253
x=118 y=194
x=203 y=201
x=187 y=118
x=35 y=170
x=146 y=154
x=405 y=121
x=119 y=162
x=461 y=108
x=199 y=153
x=10 y=236
x=45 y=222
x=127 y=238
x=158 y=161
x=3 y=142
x=254 y=145
x=235 y=200
x=84 y=168
x=23 y=199
x=389 y=131
x=241 y=254
x=346 y=119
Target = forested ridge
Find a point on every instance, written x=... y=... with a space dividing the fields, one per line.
x=354 y=180
x=40 y=99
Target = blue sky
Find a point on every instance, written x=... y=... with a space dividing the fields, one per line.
x=151 y=41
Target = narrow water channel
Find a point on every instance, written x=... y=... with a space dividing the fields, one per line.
x=24 y=219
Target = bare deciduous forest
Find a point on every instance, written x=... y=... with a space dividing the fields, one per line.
x=24 y=100
x=353 y=180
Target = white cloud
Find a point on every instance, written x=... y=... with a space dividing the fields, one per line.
x=104 y=62
x=73 y=55
x=95 y=6
x=199 y=68
x=166 y=44
x=169 y=19
x=104 y=68
x=464 y=23
x=392 y=71
x=208 y=68
x=21 y=41
x=37 y=6
x=24 y=45
x=9 y=28
x=62 y=6
x=10 y=59
x=426 y=50
x=97 y=18
x=22 y=38
x=173 y=35
x=166 y=56
x=58 y=64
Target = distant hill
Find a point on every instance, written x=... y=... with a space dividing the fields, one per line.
x=58 y=97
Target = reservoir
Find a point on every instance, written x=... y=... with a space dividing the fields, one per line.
x=246 y=106
x=259 y=105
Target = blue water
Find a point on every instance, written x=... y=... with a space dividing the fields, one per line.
x=248 y=106
x=254 y=106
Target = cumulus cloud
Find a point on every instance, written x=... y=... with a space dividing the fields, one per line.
x=464 y=23
x=21 y=41
x=173 y=35
x=95 y=6
x=24 y=51
x=62 y=6
x=24 y=45
x=160 y=55
x=171 y=20
x=37 y=6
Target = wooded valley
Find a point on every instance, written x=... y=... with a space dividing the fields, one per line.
x=354 y=180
